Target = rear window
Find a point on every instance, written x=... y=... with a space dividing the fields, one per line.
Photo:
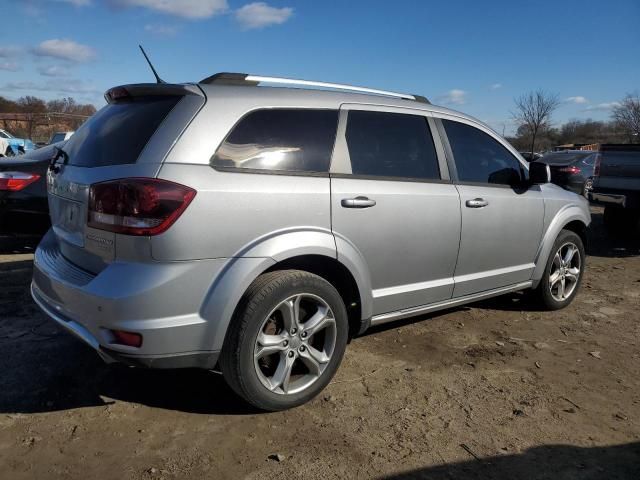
x=563 y=158
x=117 y=133
x=621 y=158
x=289 y=140
x=58 y=137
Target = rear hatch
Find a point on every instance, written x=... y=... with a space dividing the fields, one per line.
x=128 y=138
x=619 y=170
x=620 y=164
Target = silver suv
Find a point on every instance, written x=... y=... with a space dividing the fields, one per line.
x=255 y=229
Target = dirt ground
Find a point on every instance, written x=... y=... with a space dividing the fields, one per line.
x=496 y=390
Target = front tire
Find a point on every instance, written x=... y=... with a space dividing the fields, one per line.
x=563 y=273
x=286 y=340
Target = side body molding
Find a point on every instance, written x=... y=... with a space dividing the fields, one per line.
x=564 y=216
x=253 y=259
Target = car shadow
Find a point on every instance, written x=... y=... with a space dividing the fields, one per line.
x=53 y=372
x=566 y=462
x=602 y=244
x=46 y=369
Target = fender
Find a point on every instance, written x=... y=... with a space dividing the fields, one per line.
x=253 y=259
x=564 y=216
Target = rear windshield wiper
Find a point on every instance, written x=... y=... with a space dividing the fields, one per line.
x=53 y=167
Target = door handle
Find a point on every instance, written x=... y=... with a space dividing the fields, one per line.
x=477 y=203
x=358 y=202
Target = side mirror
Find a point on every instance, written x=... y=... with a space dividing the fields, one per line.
x=539 y=173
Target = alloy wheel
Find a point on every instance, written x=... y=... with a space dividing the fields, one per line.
x=295 y=343
x=565 y=272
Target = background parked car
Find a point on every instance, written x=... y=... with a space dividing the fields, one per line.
x=571 y=169
x=15 y=145
x=23 y=193
x=60 y=137
x=616 y=185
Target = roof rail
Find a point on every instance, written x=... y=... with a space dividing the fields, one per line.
x=253 y=80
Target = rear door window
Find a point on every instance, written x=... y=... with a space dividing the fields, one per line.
x=285 y=140
x=479 y=158
x=387 y=144
x=117 y=133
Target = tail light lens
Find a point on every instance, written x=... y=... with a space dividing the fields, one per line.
x=596 y=165
x=572 y=170
x=16 y=181
x=137 y=206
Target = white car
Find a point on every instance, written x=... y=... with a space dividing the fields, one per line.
x=3 y=146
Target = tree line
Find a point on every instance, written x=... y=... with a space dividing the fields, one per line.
x=536 y=132
x=35 y=118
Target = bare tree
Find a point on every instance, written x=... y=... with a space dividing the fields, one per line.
x=533 y=112
x=627 y=115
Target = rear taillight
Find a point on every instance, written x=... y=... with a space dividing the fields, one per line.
x=572 y=170
x=596 y=165
x=137 y=206
x=16 y=181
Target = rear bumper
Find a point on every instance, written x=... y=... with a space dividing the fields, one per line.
x=22 y=214
x=160 y=301
x=608 y=198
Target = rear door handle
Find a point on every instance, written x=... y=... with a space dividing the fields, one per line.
x=358 y=202
x=477 y=203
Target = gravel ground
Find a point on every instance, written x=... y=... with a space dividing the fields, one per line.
x=495 y=390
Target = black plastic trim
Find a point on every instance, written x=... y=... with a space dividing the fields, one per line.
x=260 y=171
x=390 y=179
x=205 y=360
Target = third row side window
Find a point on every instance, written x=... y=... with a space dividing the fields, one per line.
x=391 y=145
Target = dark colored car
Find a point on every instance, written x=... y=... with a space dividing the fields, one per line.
x=24 y=208
x=616 y=185
x=571 y=169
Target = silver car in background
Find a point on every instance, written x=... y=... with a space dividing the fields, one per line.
x=255 y=229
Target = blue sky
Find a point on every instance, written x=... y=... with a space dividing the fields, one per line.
x=474 y=56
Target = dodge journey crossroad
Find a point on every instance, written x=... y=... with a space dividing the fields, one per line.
x=255 y=224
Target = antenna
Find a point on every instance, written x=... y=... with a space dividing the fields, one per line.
x=155 y=74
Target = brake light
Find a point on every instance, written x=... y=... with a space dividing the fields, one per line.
x=16 y=181
x=572 y=170
x=137 y=206
x=596 y=166
x=115 y=94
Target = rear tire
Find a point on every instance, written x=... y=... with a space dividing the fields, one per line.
x=563 y=272
x=273 y=357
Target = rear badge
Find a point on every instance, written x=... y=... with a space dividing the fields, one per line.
x=103 y=243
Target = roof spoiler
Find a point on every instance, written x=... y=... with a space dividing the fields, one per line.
x=245 y=79
x=123 y=92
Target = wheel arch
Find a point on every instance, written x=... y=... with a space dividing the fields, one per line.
x=573 y=218
x=312 y=250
